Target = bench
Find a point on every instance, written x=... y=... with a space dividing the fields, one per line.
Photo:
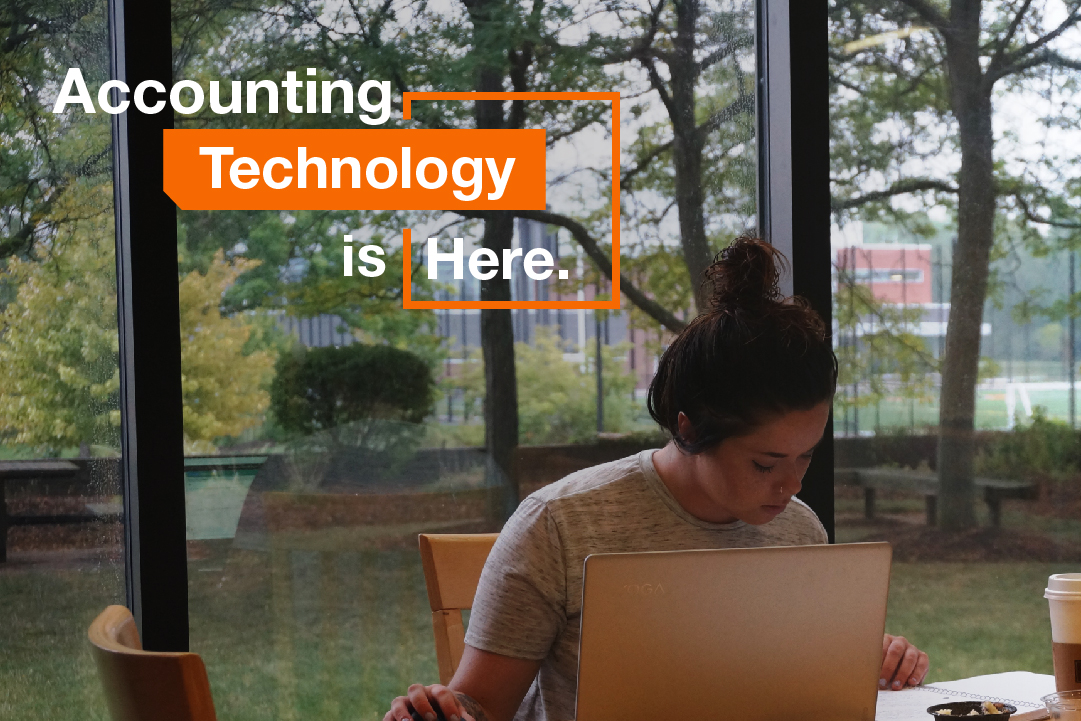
x=16 y=471
x=993 y=491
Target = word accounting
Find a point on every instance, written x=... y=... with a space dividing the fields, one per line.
x=355 y=169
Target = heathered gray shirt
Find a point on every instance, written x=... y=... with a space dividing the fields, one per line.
x=529 y=601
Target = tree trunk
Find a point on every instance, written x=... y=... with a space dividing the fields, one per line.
x=687 y=149
x=496 y=326
x=971 y=104
x=500 y=380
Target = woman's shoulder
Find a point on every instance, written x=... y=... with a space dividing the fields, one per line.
x=600 y=480
x=800 y=520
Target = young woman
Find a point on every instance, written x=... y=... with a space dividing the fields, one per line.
x=745 y=392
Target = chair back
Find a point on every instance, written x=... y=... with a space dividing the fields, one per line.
x=147 y=685
x=452 y=566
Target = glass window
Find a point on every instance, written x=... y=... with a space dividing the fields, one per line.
x=954 y=150
x=60 y=493
x=307 y=481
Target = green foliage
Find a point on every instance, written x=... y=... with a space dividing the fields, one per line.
x=1041 y=447
x=223 y=373
x=877 y=349
x=557 y=398
x=59 y=377
x=59 y=358
x=325 y=388
x=48 y=157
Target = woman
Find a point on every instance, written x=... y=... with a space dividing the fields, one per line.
x=745 y=392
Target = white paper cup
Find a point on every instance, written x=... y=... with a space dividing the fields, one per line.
x=1063 y=594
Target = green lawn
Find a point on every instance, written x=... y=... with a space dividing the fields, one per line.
x=921 y=414
x=327 y=636
x=975 y=618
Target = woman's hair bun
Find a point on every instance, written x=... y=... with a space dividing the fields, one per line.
x=745 y=274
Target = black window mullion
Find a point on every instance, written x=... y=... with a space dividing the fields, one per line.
x=808 y=23
x=794 y=195
x=148 y=309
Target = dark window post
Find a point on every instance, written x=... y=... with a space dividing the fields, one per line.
x=793 y=137
x=148 y=310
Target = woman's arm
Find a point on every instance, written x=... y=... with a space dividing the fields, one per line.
x=486 y=687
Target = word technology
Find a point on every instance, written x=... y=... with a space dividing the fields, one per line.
x=380 y=173
x=483 y=258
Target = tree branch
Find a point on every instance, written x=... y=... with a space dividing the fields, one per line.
x=589 y=244
x=1033 y=217
x=741 y=43
x=743 y=104
x=901 y=187
x=657 y=82
x=649 y=306
x=625 y=179
x=1004 y=41
x=1046 y=57
x=928 y=13
x=1071 y=20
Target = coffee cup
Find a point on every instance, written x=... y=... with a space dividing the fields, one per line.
x=1063 y=595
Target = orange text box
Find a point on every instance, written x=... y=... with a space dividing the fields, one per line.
x=373 y=169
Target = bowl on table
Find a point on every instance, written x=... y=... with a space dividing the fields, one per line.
x=964 y=709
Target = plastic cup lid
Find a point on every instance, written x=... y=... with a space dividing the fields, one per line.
x=1063 y=584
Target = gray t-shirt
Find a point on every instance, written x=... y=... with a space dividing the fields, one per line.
x=529 y=601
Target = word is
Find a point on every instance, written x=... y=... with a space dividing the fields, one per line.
x=365 y=256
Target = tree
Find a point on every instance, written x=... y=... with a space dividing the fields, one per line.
x=323 y=388
x=556 y=397
x=223 y=386
x=878 y=354
x=59 y=351
x=46 y=155
x=918 y=79
x=687 y=57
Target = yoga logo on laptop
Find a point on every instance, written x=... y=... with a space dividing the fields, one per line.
x=644 y=589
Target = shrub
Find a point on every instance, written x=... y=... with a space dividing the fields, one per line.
x=1042 y=447
x=323 y=388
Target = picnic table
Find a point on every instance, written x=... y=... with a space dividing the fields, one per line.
x=993 y=490
x=18 y=471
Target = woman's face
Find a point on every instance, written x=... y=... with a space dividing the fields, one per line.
x=753 y=477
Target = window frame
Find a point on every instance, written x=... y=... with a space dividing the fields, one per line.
x=793 y=73
x=148 y=285
x=148 y=317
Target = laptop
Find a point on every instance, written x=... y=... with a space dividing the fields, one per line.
x=752 y=634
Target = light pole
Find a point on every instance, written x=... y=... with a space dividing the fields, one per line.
x=1070 y=359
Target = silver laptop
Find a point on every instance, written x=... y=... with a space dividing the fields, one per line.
x=749 y=634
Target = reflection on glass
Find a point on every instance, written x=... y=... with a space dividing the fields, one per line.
x=954 y=242
x=60 y=503
x=313 y=464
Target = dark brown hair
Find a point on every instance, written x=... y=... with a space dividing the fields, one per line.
x=750 y=355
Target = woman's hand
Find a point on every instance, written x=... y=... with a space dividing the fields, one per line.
x=425 y=700
x=902 y=663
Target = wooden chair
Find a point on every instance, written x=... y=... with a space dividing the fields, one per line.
x=452 y=566
x=147 y=685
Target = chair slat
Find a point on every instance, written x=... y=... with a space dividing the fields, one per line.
x=452 y=568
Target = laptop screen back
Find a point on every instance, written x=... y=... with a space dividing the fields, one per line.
x=749 y=634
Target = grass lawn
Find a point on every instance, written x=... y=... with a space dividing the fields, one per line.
x=305 y=635
x=46 y=671
x=974 y=618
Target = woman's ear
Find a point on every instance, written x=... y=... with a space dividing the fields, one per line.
x=685 y=427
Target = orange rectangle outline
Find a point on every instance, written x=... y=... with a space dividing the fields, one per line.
x=407 y=245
